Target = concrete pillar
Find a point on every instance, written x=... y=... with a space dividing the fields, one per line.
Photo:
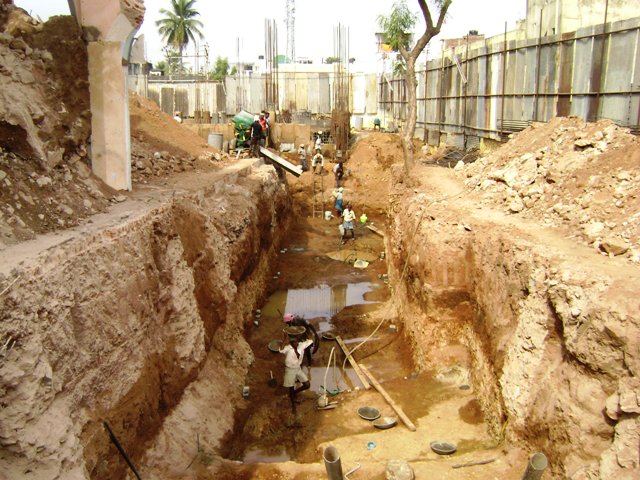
x=109 y=27
x=110 y=129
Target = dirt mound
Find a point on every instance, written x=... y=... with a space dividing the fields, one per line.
x=161 y=146
x=369 y=164
x=581 y=177
x=45 y=128
x=46 y=183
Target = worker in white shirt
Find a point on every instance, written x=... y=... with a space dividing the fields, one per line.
x=302 y=156
x=293 y=351
x=348 y=216
x=317 y=160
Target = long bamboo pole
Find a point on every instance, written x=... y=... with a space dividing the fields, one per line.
x=389 y=400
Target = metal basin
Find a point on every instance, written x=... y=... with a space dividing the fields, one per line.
x=369 y=413
x=275 y=346
x=294 y=330
x=328 y=336
x=385 y=422
x=442 y=447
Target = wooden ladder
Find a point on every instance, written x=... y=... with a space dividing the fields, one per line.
x=318 y=191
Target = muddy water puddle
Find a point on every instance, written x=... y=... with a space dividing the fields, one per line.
x=321 y=302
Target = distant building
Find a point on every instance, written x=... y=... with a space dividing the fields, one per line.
x=561 y=16
x=137 y=58
x=470 y=38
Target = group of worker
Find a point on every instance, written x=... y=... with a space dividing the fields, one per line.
x=259 y=132
x=317 y=161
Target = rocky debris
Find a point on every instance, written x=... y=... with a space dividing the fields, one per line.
x=45 y=181
x=623 y=407
x=33 y=202
x=581 y=177
x=161 y=147
x=44 y=96
x=398 y=470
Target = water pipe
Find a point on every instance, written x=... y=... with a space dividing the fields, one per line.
x=332 y=463
x=536 y=467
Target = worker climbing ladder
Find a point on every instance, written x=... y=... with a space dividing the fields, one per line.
x=318 y=195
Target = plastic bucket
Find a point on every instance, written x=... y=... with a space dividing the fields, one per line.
x=215 y=140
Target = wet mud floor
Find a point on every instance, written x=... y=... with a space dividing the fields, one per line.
x=350 y=302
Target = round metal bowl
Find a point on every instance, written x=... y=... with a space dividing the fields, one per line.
x=294 y=330
x=443 y=448
x=385 y=422
x=275 y=346
x=328 y=336
x=369 y=413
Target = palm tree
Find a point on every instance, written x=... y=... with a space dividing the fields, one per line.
x=180 y=25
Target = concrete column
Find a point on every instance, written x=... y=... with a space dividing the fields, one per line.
x=110 y=129
x=109 y=27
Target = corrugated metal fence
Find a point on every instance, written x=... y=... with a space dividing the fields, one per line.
x=591 y=73
x=303 y=94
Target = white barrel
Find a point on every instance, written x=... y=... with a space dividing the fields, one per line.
x=215 y=140
x=357 y=123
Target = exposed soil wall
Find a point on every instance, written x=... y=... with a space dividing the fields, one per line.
x=551 y=324
x=115 y=323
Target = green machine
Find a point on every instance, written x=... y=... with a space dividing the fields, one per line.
x=242 y=128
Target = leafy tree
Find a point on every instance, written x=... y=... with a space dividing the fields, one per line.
x=220 y=69
x=162 y=65
x=399 y=67
x=397 y=33
x=180 y=25
x=331 y=60
x=234 y=71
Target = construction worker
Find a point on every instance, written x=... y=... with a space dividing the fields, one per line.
x=348 y=216
x=267 y=121
x=263 y=124
x=338 y=172
x=293 y=350
x=309 y=333
x=302 y=155
x=337 y=194
x=256 y=136
x=318 y=140
x=317 y=161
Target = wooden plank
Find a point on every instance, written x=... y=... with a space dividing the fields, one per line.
x=353 y=363
x=389 y=400
x=376 y=230
x=471 y=464
x=288 y=166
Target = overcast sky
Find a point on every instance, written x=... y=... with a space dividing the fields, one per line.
x=226 y=22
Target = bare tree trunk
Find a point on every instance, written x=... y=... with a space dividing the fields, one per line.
x=411 y=57
x=412 y=104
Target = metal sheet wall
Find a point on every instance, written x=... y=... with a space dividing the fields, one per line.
x=591 y=73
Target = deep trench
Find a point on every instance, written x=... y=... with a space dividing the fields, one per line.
x=166 y=364
x=336 y=297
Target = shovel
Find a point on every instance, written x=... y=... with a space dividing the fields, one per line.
x=272 y=381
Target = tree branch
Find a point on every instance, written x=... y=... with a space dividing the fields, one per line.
x=431 y=30
x=426 y=14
